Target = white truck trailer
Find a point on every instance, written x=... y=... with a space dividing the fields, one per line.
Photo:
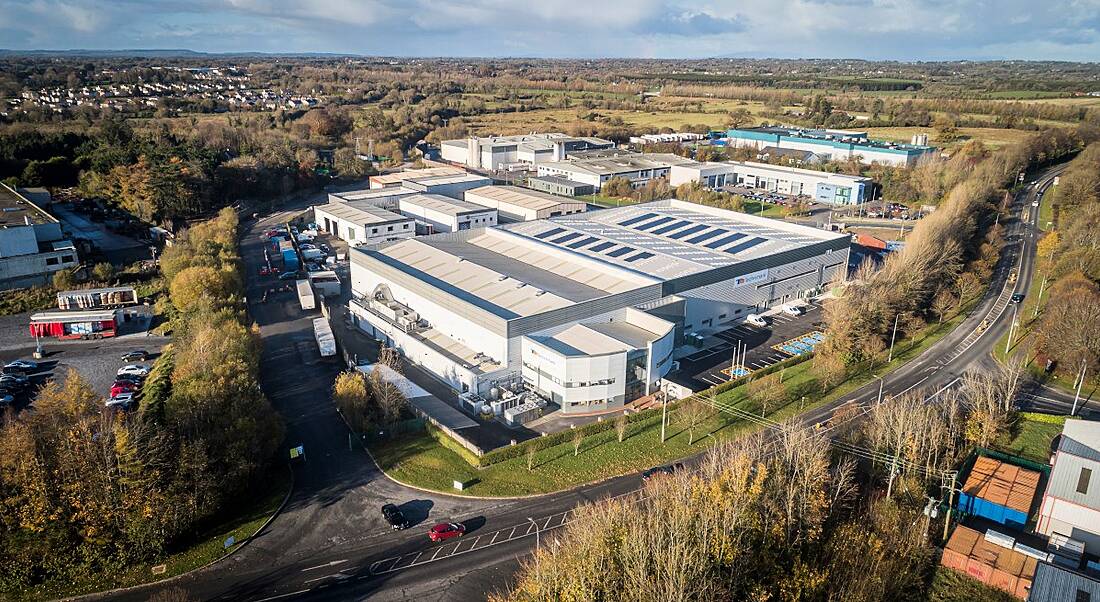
x=305 y=295
x=326 y=341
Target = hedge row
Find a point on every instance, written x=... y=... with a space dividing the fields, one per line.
x=446 y=441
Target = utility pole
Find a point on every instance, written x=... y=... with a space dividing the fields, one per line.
x=1080 y=383
x=664 y=414
x=1011 y=327
x=881 y=384
x=949 y=480
x=1039 y=299
x=890 y=357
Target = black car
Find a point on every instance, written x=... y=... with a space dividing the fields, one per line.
x=394 y=517
x=1017 y=297
x=662 y=470
x=137 y=355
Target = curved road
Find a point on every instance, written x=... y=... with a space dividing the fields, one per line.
x=331 y=543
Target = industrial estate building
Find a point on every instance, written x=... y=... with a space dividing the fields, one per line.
x=1071 y=504
x=520 y=204
x=437 y=213
x=560 y=185
x=586 y=309
x=597 y=168
x=823 y=187
x=363 y=224
x=32 y=245
x=392 y=180
x=504 y=152
x=836 y=145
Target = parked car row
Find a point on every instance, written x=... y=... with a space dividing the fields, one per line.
x=15 y=380
x=129 y=379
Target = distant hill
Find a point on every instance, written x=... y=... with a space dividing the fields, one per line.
x=155 y=53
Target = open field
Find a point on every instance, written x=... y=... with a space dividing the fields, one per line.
x=1031 y=436
x=993 y=138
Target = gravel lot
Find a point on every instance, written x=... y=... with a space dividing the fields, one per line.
x=96 y=361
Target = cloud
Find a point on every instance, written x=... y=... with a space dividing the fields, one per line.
x=896 y=29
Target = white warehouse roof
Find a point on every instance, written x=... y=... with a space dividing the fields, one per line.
x=361 y=214
x=522 y=197
x=442 y=204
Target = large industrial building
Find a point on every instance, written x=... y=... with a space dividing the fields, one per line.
x=32 y=245
x=597 y=168
x=437 y=213
x=520 y=204
x=585 y=309
x=836 y=145
x=504 y=152
x=397 y=179
x=363 y=224
x=823 y=187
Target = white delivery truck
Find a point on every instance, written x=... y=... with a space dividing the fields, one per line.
x=312 y=254
x=305 y=295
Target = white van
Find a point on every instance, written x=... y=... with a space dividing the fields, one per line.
x=792 y=310
x=756 y=320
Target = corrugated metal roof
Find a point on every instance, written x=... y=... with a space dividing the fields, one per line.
x=1056 y=584
x=1065 y=476
x=361 y=214
x=533 y=200
x=441 y=204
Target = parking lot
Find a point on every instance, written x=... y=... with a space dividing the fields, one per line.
x=96 y=361
x=784 y=337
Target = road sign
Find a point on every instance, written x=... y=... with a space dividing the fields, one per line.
x=295 y=452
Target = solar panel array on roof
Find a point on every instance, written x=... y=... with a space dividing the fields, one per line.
x=620 y=252
x=691 y=230
x=549 y=233
x=671 y=227
x=640 y=218
x=603 y=246
x=746 y=245
x=725 y=241
x=582 y=242
x=566 y=238
x=707 y=235
x=654 y=223
x=642 y=255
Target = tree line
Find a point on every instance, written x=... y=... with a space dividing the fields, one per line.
x=90 y=492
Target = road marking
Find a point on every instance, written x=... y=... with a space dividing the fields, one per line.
x=301 y=591
x=494 y=537
x=547 y=522
x=437 y=551
x=320 y=578
x=325 y=566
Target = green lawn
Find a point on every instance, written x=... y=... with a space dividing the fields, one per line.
x=951 y=586
x=209 y=545
x=422 y=461
x=1031 y=436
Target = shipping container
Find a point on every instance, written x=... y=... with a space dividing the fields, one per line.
x=987 y=560
x=290 y=260
x=999 y=491
x=74 y=325
x=95 y=298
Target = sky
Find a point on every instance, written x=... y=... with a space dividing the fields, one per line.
x=870 y=29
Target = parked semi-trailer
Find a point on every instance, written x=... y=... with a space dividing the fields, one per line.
x=326 y=342
x=93 y=298
x=290 y=260
x=305 y=295
x=74 y=324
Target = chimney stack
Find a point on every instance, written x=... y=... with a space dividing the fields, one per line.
x=473 y=153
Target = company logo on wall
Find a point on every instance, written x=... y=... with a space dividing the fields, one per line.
x=752 y=278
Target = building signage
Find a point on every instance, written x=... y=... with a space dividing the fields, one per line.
x=751 y=278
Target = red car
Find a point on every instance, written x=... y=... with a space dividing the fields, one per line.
x=121 y=388
x=264 y=271
x=444 y=531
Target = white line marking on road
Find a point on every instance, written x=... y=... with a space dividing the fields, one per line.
x=475 y=542
x=325 y=566
x=547 y=522
x=301 y=591
x=494 y=537
x=418 y=555
x=320 y=578
x=437 y=551
x=912 y=386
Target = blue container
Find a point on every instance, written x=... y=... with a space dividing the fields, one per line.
x=290 y=260
x=995 y=512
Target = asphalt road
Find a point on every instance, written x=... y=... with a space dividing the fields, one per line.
x=330 y=543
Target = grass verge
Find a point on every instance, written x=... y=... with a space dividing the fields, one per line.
x=22 y=300
x=1031 y=436
x=207 y=546
x=421 y=460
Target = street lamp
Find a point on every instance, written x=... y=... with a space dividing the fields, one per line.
x=536 y=525
x=1011 y=327
x=893 y=335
